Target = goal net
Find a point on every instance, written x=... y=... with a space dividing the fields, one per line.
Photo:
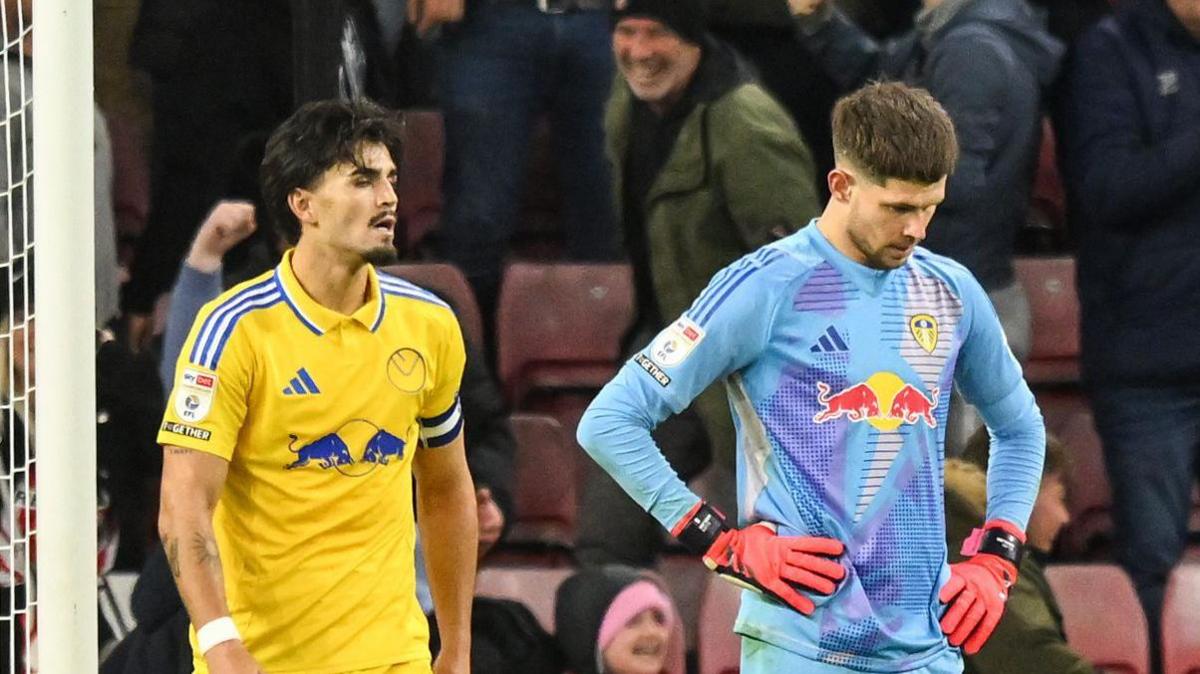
x=18 y=624
x=47 y=415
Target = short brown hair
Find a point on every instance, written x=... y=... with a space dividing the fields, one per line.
x=892 y=130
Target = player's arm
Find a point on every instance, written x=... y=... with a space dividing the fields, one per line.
x=191 y=485
x=446 y=514
x=725 y=330
x=990 y=378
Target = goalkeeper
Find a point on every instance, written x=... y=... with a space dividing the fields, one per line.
x=838 y=347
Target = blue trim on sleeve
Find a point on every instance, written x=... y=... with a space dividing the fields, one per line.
x=757 y=263
x=392 y=285
x=216 y=323
x=233 y=319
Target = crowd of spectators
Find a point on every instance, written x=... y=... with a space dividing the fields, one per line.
x=685 y=133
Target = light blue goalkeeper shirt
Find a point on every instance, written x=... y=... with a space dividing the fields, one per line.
x=839 y=379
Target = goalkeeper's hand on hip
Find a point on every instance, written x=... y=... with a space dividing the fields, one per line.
x=978 y=587
x=759 y=559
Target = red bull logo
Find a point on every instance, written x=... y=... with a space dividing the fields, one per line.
x=884 y=400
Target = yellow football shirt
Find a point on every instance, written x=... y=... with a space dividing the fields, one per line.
x=319 y=415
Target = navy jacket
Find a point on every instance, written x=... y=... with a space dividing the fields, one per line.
x=1131 y=132
x=988 y=66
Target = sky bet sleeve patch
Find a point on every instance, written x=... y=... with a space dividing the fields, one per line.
x=673 y=345
x=194 y=395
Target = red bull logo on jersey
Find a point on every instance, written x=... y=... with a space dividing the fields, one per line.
x=341 y=451
x=884 y=400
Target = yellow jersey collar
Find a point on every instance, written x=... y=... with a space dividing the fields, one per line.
x=318 y=318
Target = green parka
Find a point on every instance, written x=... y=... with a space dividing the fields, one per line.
x=739 y=176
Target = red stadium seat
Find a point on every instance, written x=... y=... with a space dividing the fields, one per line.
x=1089 y=498
x=1050 y=285
x=1102 y=616
x=719 y=648
x=420 y=185
x=447 y=282
x=533 y=587
x=1181 y=621
x=545 y=484
x=559 y=326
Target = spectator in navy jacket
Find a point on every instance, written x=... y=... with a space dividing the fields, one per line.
x=1131 y=132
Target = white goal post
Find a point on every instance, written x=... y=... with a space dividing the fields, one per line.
x=65 y=424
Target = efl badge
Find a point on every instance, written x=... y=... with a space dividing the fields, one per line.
x=194 y=394
x=673 y=345
x=925 y=330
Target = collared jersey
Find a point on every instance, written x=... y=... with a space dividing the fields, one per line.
x=839 y=379
x=319 y=415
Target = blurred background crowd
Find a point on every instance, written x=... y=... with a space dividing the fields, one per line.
x=573 y=174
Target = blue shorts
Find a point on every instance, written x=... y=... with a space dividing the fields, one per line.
x=759 y=657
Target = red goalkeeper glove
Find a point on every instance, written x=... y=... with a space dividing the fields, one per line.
x=759 y=559
x=978 y=587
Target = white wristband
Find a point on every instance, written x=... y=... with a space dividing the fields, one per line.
x=216 y=632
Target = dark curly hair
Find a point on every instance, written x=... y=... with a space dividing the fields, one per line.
x=318 y=136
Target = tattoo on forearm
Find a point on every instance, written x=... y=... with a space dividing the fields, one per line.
x=178 y=450
x=205 y=549
x=172 y=547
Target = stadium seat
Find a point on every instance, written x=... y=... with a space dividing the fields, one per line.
x=545 y=484
x=1102 y=616
x=447 y=282
x=719 y=648
x=1050 y=285
x=419 y=188
x=534 y=587
x=1181 y=621
x=559 y=326
x=1089 y=498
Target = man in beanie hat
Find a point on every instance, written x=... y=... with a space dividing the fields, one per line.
x=706 y=168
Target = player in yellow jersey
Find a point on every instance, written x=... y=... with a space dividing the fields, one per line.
x=305 y=402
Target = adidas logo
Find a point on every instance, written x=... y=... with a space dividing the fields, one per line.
x=301 y=384
x=829 y=342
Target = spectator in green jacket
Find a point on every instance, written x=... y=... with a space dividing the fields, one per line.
x=1029 y=638
x=707 y=167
